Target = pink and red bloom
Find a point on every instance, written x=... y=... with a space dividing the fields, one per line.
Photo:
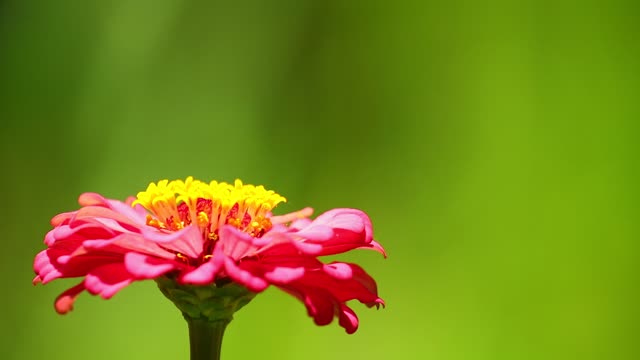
x=203 y=233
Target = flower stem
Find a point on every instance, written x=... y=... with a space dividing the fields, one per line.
x=205 y=338
x=208 y=310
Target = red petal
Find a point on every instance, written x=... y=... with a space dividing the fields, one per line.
x=187 y=241
x=284 y=275
x=244 y=277
x=147 y=267
x=107 y=280
x=348 y=319
x=64 y=302
x=206 y=273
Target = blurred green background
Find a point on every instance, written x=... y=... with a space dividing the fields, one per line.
x=494 y=144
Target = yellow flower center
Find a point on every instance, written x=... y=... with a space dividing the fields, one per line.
x=176 y=204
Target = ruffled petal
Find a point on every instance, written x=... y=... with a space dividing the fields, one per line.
x=44 y=268
x=57 y=262
x=325 y=291
x=236 y=243
x=137 y=213
x=338 y=231
x=187 y=241
x=62 y=218
x=244 y=276
x=285 y=244
x=321 y=306
x=284 y=275
x=147 y=267
x=106 y=216
x=359 y=286
x=107 y=280
x=318 y=232
x=79 y=231
x=338 y=270
x=131 y=242
x=206 y=273
x=352 y=220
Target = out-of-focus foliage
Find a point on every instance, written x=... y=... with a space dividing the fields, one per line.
x=494 y=144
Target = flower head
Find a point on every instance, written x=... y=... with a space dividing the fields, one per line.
x=210 y=234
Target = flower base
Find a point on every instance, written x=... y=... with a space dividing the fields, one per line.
x=208 y=310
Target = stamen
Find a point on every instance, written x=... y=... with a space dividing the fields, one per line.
x=155 y=223
x=182 y=258
x=203 y=219
x=176 y=204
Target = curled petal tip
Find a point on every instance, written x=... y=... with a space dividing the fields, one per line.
x=374 y=245
x=64 y=302
x=377 y=303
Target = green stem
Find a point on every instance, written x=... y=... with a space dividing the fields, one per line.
x=208 y=310
x=205 y=338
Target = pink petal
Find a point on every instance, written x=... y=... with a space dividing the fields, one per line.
x=48 y=264
x=187 y=241
x=202 y=275
x=284 y=275
x=359 y=286
x=107 y=280
x=45 y=269
x=348 y=219
x=133 y=242
x=350 y=229
x=82 y=231
x=316 y=232
x=64 y=302
x=91 y=199
x=373 y=245
x=236 y=243
x=95 y=212
x=146 y=267
x=137 y=213
x=300 y=224
x=62 y=218
x=206 y=273
x=244 y=277
x=283 y=244
x=340 y=271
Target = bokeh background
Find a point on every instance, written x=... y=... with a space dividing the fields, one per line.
x=494 y=144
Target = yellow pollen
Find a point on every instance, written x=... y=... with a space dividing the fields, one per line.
x=234 y=222
x=175 y=204
x=155 y=223
x=182 y=258
x=203 y=218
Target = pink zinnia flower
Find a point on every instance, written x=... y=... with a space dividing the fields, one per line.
x=203 y=234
